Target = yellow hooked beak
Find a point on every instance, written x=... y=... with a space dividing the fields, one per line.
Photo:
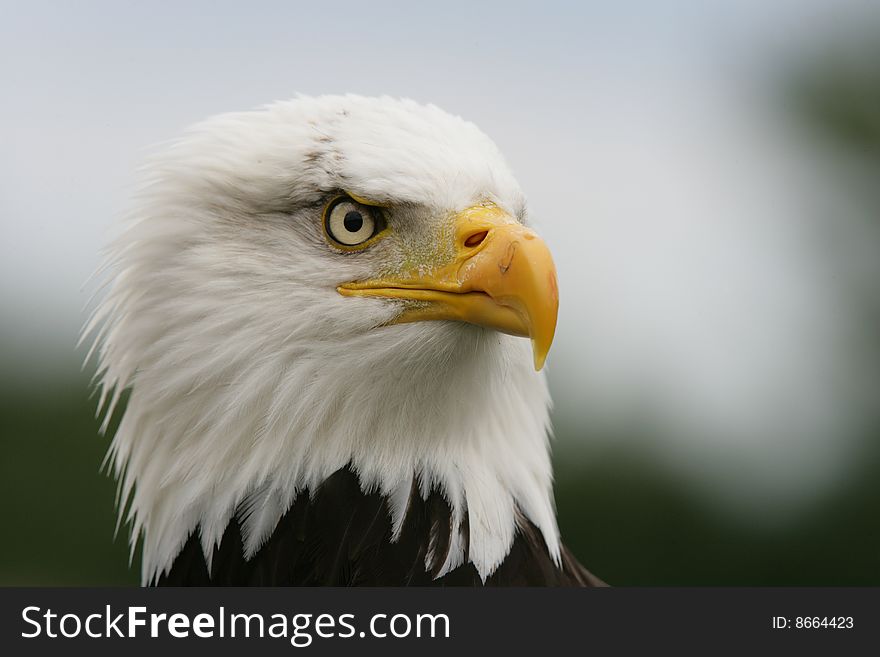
x=501 y=276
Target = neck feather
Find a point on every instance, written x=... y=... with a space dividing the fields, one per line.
x=442 y=406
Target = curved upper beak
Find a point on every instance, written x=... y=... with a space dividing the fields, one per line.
x=501 y=276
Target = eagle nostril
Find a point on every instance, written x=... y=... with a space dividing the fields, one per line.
x=476 y=239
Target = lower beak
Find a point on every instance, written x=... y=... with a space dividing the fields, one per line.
x=501 y=276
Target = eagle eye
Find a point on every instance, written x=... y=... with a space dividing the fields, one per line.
x=351 y=224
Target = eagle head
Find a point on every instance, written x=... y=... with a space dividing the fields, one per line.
x=321 y=283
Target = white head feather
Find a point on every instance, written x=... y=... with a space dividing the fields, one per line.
x=252 y=379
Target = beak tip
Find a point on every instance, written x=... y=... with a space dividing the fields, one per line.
x=540 y=356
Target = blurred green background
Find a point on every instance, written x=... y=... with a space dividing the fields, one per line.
x=632 y=506
x=630 y=522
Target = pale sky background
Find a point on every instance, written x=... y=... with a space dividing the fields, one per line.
x=685 y=212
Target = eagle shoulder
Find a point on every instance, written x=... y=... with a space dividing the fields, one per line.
x=341 y=535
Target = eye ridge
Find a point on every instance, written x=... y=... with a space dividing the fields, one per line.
x=350 y=225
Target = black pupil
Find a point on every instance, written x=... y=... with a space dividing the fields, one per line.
x=353 y=221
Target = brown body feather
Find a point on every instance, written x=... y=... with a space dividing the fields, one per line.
x=341 y=536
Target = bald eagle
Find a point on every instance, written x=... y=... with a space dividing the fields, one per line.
x=318 y=309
